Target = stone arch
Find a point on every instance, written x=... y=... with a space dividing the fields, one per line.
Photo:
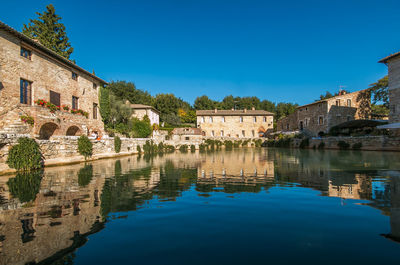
x=47 y=130
x=73 y=131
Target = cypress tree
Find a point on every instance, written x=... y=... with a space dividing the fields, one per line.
x=104 y=100
x=48 y=30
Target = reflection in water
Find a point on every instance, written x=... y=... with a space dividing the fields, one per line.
x=46 y=216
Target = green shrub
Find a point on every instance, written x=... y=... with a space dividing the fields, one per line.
x=141 y=129
x=321 y=145
x=237 y=143
x=117 y=144
x=304 y=143
x=85 y=146
x=257 y=142
x=169 y=148
x=343 y=145
x=161 y=147
x=85 y=175
x=149 y=147
x=355 y=127
x=25 y=185
x=245 y=143
x=139 y=149
x=228 y=144
x=183 y=148
x=25 y=155
x=357 y=146
x=202 y=147
x=192 y=148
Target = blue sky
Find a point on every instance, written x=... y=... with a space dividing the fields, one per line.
x=288 y=51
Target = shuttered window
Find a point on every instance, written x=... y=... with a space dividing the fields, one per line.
x=94 y=111
x=75 y=102
x=55 y=98
x=25 y=92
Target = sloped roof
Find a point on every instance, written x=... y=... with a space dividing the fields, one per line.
x=233 y=113
x=387 y=58
x=142 y=106
x=47 y=51
x=332 y=98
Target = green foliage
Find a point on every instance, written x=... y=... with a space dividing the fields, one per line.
x=85 y=146
x=128 y=91
x=228 y=145
x=204 y=103
x=245 y=143
x=25 y=185
x=161 y=147
x=202 y=147
x=25 y=155
x=380 y=91
x=139 y=149
x=117 y=144
x=257 y=142
x=169 y=148
x=321 y=145
x=357 y=146
x=27 y=119
x=237 y=143
x=141 y=129
x=183 y=148
x=85 y=175
x=192 y=148
x=330 y=95
x=304 y=143
x=380 y=109
x=343 y=145
x=50 y=32
x=104 y=104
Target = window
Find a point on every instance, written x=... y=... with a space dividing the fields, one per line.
x=95 y=111
x=25 y=92
x=95 y=86
x=338 y=102
x=202 y=119
x=211 y=119
x=222 y=133
x=187 y=138
x=349 y=103
x=75 y=104
x=253 y=133
x=243 y=133
x=222 y=119
x=212 y=133
x=240 y=119
x=264 y=119
x=55 y=98
x=26 y=53
x=320 y=120
x=287 y=126
x=74 y=76
x=306 y=109
x=254 y=119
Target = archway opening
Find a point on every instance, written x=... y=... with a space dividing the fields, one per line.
x=47 y=130
x=73 y=131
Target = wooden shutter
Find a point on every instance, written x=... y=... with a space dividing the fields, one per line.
x=55 y=98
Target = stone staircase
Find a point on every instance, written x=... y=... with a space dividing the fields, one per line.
x=18 y=127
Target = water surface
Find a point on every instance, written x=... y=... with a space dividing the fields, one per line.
x=246 y=206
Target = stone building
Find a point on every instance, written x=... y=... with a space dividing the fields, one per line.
x=186 y=134
x=318 y=117
x=43 y=93
x=140 y=110
x=234 y=123
x=393 y=63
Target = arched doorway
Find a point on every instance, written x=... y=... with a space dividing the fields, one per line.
x=47 y=130
x=73 y=130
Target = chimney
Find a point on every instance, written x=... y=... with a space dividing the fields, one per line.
x=245 y=110
x=253 y=108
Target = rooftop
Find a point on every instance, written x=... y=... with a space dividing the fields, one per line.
x=387 y=58
x=332 y=98
x=187 y=131
x=142 y=106
x=47 y=51
x=233 y=113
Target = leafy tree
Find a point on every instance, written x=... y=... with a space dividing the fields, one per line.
x=119 y=111
x=380 y=91
x=104 y=100
x=268 y=106
x=284 y=109
x=25 y=155
x=124 y=91
x=167 y=103
x=85 y=146
x=330 y=95
x=50 y=32
x=141 y=129
x=379 y=109
x=204 y=103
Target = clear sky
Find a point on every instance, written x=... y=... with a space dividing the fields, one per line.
x=286 y=50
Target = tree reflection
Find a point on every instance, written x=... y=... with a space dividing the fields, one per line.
x=85 y=175
x=25 y=185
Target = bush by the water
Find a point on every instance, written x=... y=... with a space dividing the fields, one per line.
x=183 y=148
x=25 y=155
x=343 y=145
x=321 y=145
x=357 y=127
x=192 y=148
x=357 y=146
x=117 y=144
x=304 y=143
x=85 y=146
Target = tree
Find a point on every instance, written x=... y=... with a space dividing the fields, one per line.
x=120 y=113
x=104 y=101
x=284 y=109
x=127 y=91
x=204 y=103
x=380 y=92
x=167 y=103
x=50 y=32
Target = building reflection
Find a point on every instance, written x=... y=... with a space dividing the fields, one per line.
x=45 y=216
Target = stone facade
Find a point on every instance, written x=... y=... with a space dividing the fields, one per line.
x=322 y=115
x=29 y=72
x=393 y=63
x=234 y=123
x=139 y=111
x=187 y=135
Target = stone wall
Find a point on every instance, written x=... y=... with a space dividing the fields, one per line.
x=394 y=89
x=45 y=73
